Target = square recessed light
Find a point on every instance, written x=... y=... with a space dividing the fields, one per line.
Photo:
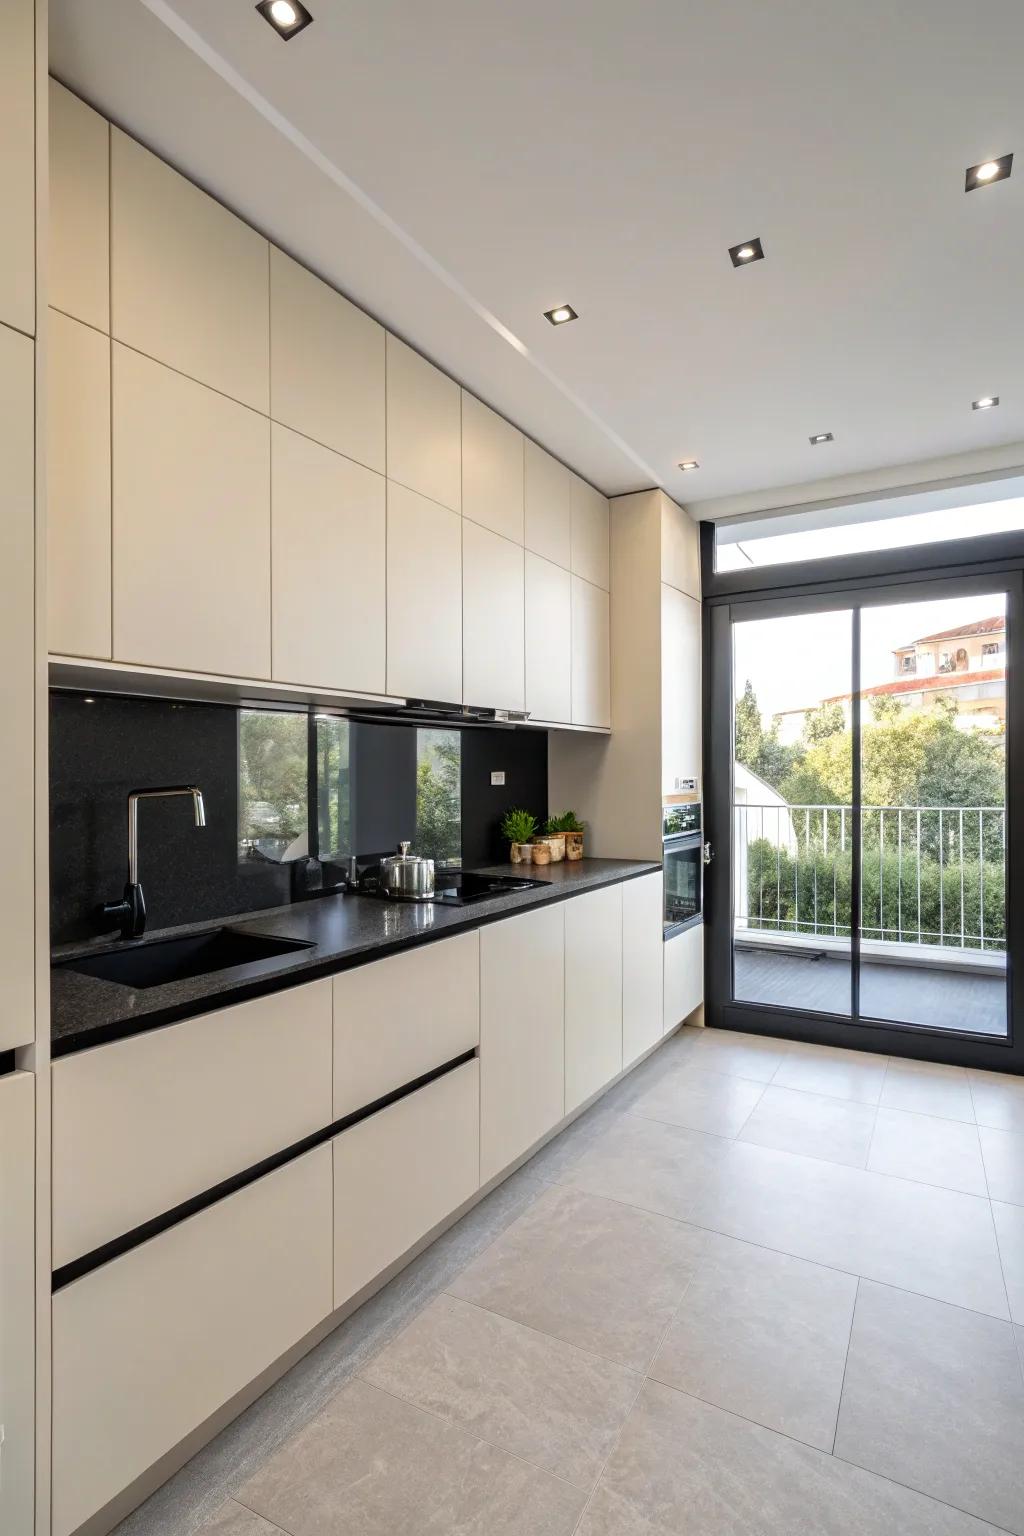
x=560 y=314
x=689 y=464
x=747 y=251
x=985 y=403
x=987 y=172
x=287 y=17
x=821 y=437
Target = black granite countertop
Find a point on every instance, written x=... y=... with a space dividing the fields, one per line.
x=344 y=931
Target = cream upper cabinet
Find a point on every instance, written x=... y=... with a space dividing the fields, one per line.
x=680 y=688
x=680 y=549
x=424 y=426
x=326 y=364
x=424 y=598
x=548 y=640
x=191 y=524
x=548 y=506
x=18 y=166
x=17 y=1300
x=189 y=281
x=79 y=239
x=492 y=470
x=593 y=993
x=590 y=533
x=328 y=567
x=642 y=965
x=591 y=655
x=522 y=1049
x=492 y=619
x=17 y=683
x=684 y=974
x=78 y=490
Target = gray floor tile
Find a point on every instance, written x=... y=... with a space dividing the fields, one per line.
x=765 y=1336
x=838 y=1074
x=1003 y=1152
x=928 y=1149
x=232 y=1520
x=928 y=1089
x=548 y=1402
x=998 y=1099
x=685 y=1468
x=699 y=1100
x=371 y=1465
x=649 y=1164
x=837 y=1130
x=593 y=1272
x=934 y=1399
x=934 y=1241
x=1009 y=1220
x=756 y=1057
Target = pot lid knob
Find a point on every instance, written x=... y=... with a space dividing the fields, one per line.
x=403 y=849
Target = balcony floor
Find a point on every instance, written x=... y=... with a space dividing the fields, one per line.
x=907 y=994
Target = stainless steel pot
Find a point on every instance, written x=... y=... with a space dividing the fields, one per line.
x=407 y=875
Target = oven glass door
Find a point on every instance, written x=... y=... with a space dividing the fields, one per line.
x=683 y=872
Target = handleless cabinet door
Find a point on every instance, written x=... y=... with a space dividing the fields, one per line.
x=18 y=166
x=190 y=282
x=591 y=655
x=522 y=1035
x=548 y=509
x=548 y=640
x=591 y=548
x=680 y=688
x=642 y=965
x=146 y=1347
x=593 y=993
x=424 y=426
x=17 y=1300
x=684 y=974
x=424 y=602
x=493 y=636
x=328 y=567
x=79 y=238
x=326 y=364
x=492 y=470
x=78 y=490
x=191 y=524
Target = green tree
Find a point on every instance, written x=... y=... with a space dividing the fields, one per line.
x=825 y=721
x=761 y=750
x=439 y=796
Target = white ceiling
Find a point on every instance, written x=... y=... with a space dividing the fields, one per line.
x=460 y=166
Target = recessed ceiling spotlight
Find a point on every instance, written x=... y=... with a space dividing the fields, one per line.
x=747 y=251
x=689 y=464
x=287 y=17
x=987 y=172
x=985 y=403
x=821 y=437
x=560 y=314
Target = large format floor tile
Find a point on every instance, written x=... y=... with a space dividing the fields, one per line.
x=1009 y=1220
x=371 y=1465
x=811 y=1123
x=934 y=1399
x=928 y=1089
x=756 y=1057
x=837 y=1073
x=935 y=1241
x=685 y=1468
x=928 y=1149
x=234 y=1520
x=593 y=1272
x=1003 y=1152
x=702 y=1101
x=765 y=1336
x=548 y=1402
x=649 y=1164
x=998 y=1099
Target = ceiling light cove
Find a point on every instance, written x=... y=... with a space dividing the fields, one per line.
x=560 y=314
x=985 y=403
x=821 y=437
x=287 y=17
x=747 y=251
x=987 y=172
x=689 y=464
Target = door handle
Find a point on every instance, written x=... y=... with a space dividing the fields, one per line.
x=707 y=853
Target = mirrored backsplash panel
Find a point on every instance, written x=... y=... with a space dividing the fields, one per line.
x=280 y=787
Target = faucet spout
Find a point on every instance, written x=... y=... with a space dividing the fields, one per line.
x=131 y=909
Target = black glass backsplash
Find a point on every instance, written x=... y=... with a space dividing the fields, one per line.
x=100 y=750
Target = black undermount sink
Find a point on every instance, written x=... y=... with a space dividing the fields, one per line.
x=197 y=954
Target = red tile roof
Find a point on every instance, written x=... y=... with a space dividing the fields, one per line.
x=922 y=684
x=993 y=626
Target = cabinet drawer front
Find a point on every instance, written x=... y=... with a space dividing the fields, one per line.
x=145 y=1123
x=148 y=1346
x=399 y=1173
x=396 y=1019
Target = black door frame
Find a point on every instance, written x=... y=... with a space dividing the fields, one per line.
x=862 y=580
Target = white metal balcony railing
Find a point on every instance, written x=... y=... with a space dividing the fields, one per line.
x=930 y=875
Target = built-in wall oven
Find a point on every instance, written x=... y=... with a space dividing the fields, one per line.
x=683 y=858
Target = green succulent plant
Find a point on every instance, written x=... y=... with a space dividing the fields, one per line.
x=567 y=822
x=518 y=825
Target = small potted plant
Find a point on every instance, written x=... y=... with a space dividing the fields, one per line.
x=519 y=826
x=555 y=839
x=569 y=826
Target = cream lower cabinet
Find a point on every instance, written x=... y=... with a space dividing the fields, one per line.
x=400 y=1172
x=593 y=993
x=642 y=965
x=492 y=619
x=684 y=974
x=17 y=1300
x=148 y=1346
x=548 y=640
x=522 y=1034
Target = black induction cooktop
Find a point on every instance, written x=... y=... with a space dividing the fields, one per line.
x=460 y=888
